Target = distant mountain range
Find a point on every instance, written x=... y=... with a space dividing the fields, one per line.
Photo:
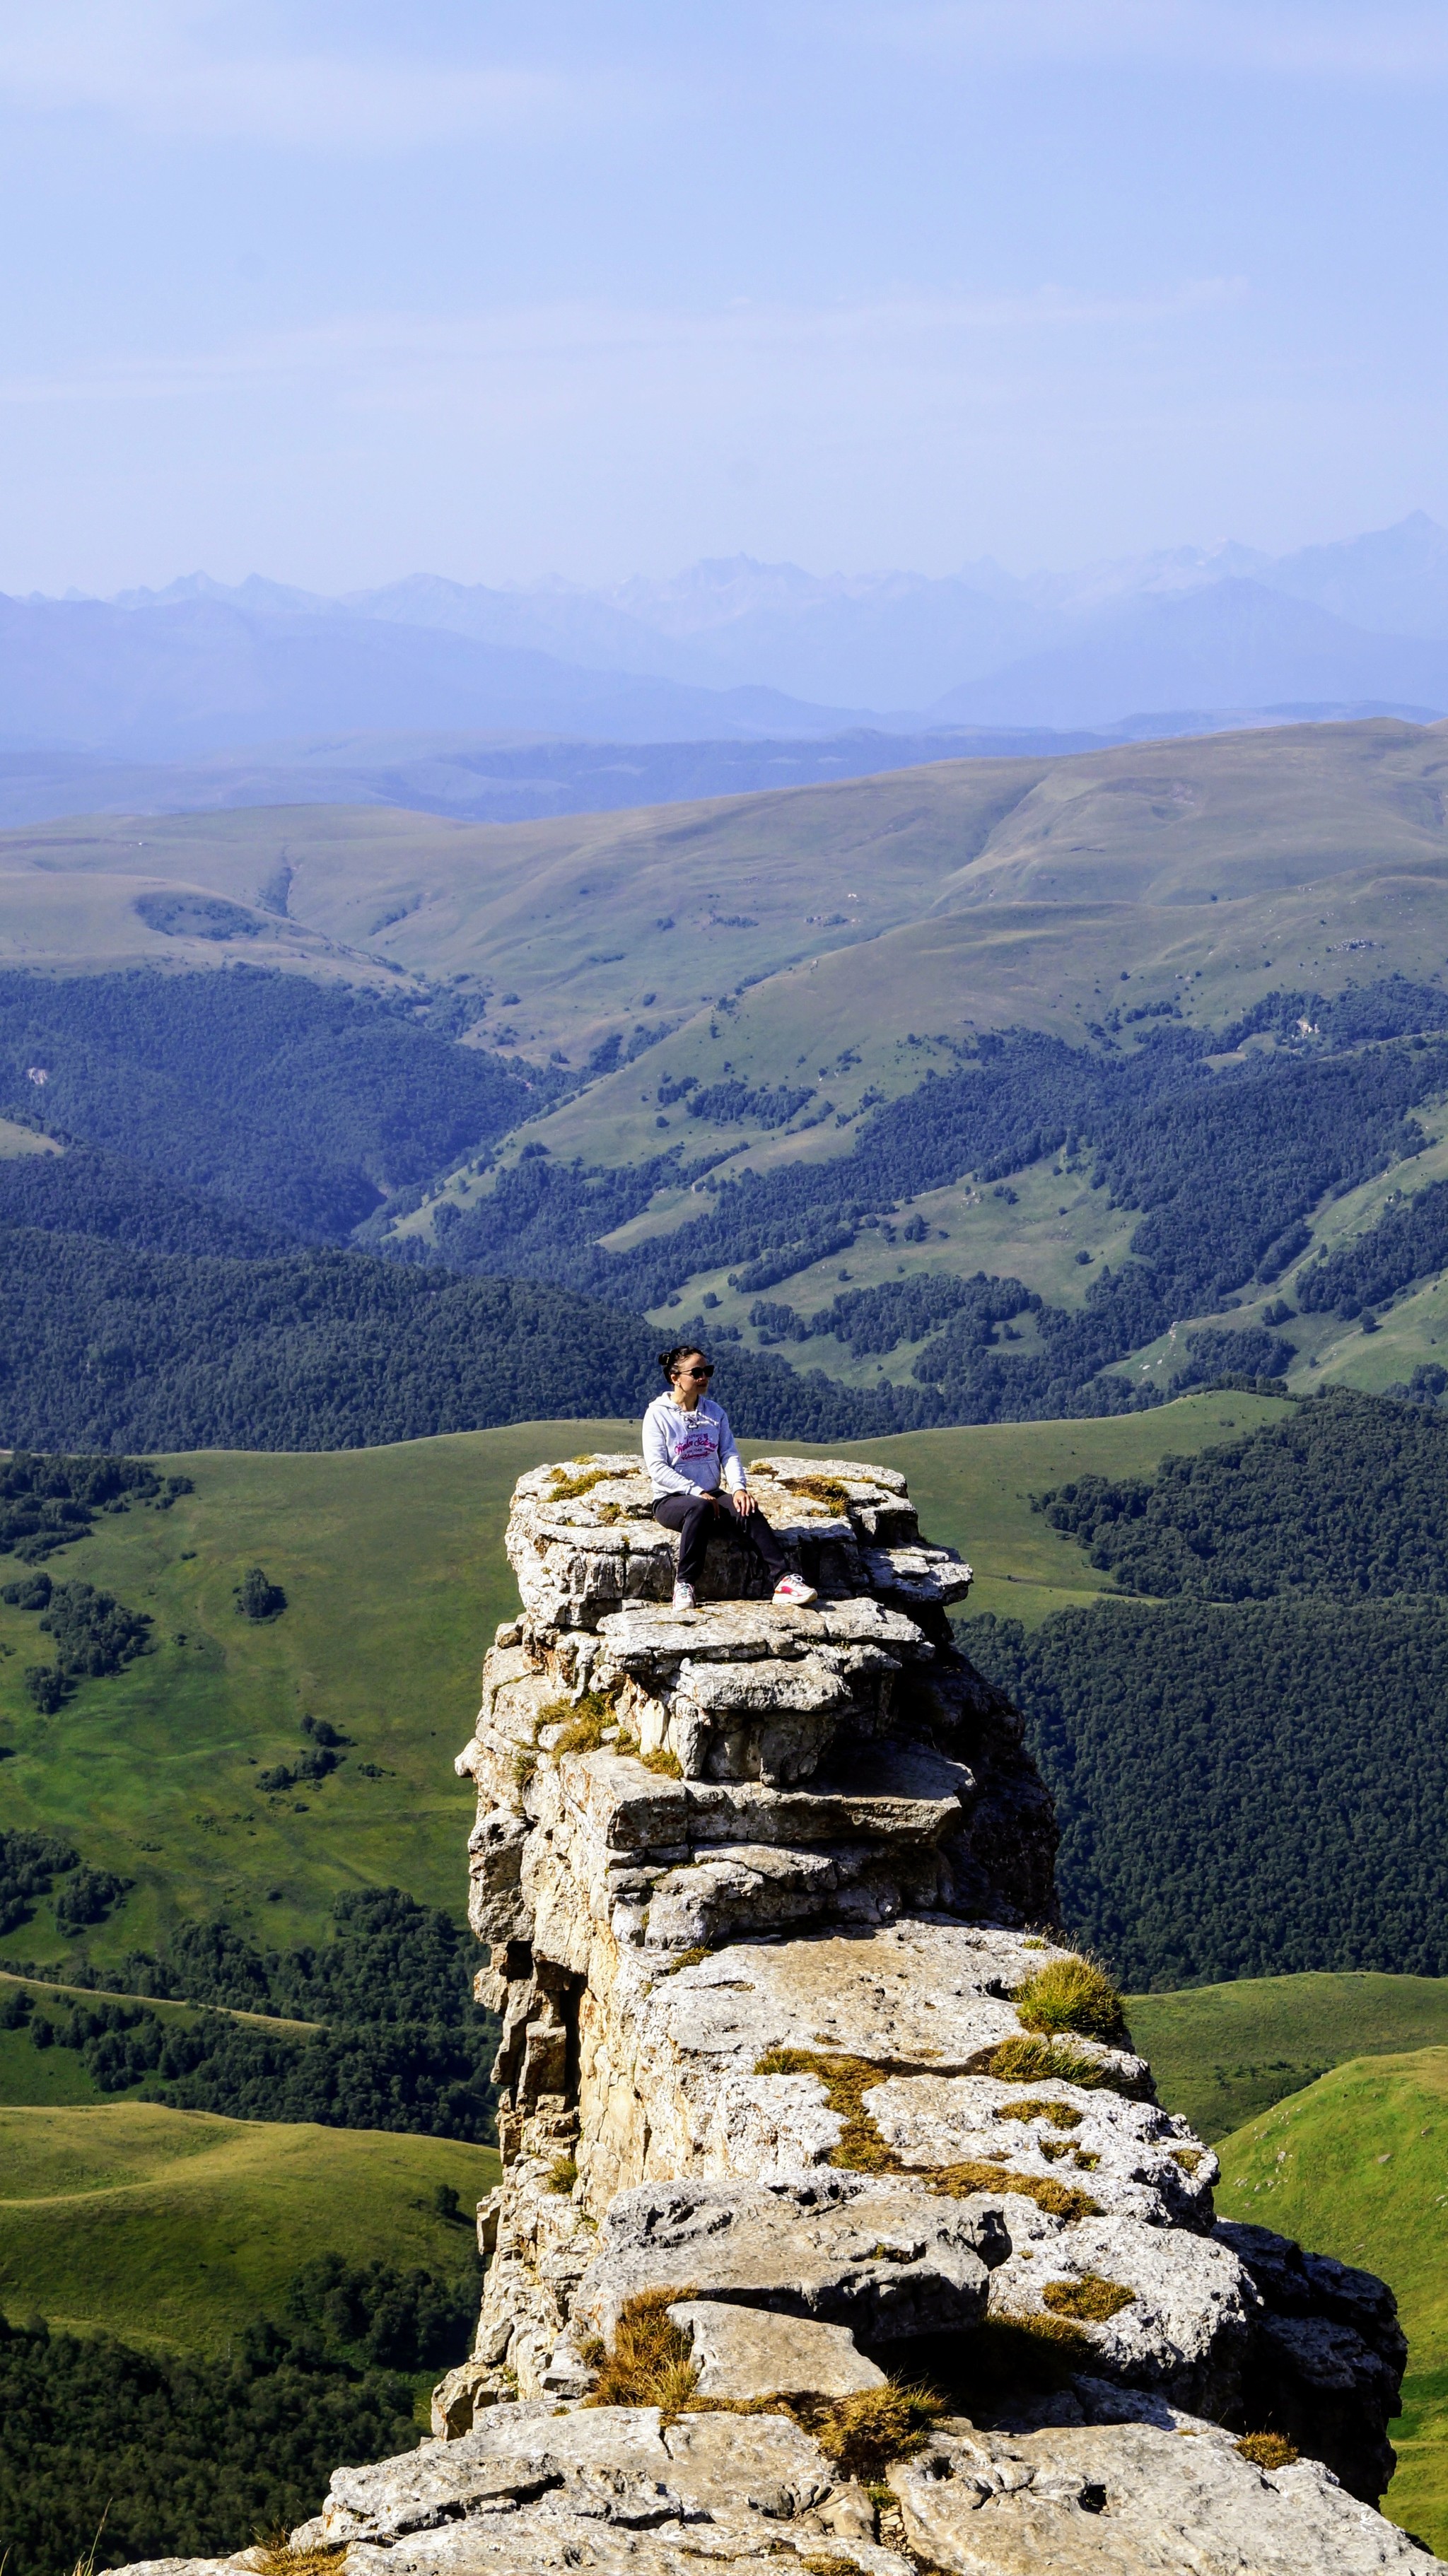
x=439 y=693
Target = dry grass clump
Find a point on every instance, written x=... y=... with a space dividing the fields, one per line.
x=274 y=2555
x=649 y=2362
x=1058 y=2198
x=583 y=1722
x=846 y=2081
x=861 y=2148
x=664 y=1762
x=820 y=1489
x=1091 y=2300
x=569 y=1489
x=1053 y=2149
x=1060 y=2114
x=1072 y=1995
x=687 y=1959
x=1268 y=2450
x=1026 y=2059
x=562 y=2174
x=1187 y=2157
x=864 y=2433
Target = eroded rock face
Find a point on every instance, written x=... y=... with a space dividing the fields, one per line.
x=842 y=2249
x=609 y=2489
x=763 y=1890
x=1152 y=2493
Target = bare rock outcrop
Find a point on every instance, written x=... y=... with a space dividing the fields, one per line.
x=768 y=1903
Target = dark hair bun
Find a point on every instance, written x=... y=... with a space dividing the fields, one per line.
x=669 y=1360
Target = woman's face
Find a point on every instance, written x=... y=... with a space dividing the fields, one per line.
x=691 y=1378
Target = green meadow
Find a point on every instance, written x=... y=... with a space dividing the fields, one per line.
x=175 y=2228
x=1354 y=2167
x=393 y=1566
x=1223 y=2055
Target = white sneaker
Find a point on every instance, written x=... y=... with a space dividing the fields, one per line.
x=684 y=1597
x=793 y=1588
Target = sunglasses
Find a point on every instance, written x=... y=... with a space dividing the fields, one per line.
x=696 y=1372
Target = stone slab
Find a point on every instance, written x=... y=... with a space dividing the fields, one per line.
x=923 y=1996
x=840 y=2248
x=1188 y=2327
x=1135 y=2159
x=537 y=2488
x=747 y=2353
x=1142 y=2498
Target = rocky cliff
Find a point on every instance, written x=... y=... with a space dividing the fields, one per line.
x=840 y=2226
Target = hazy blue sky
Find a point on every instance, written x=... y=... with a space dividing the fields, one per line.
x=338 y=292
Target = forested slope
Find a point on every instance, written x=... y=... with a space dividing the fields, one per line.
x=102 y=1347
x=306 y=1102
x=162 y=1281
x=1345 y=1498
x=1252 y=1771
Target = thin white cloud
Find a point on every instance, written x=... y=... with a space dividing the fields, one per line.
x=185 y=69
x=1320 y=40
x=374 y=349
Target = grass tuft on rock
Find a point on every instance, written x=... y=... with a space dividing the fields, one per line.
x=686 y=1959
x=846 y=2081
x=1072 y=1995
x=650 y=2360
x=562 y=2174
x=583 y=1722
x=1268 y=2450
x=1059 y=2199
x=571 y=1489
x=275 y=2555
x=664 y=1762
x=862 y=2434
x=1061 y=2115
x=1026 y=2059
x=1089 y=2300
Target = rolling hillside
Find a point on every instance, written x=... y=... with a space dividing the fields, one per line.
x=393 y=1568
x=174 y=2229
x=1223 y=2055
x=1354 y=2167
x=832 y=950
x=1039 y=879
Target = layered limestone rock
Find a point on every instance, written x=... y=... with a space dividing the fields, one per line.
x=764 y=1892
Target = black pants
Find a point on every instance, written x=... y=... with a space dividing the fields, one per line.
x=695 y=1519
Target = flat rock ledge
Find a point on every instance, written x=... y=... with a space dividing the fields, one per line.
x=761 y=1889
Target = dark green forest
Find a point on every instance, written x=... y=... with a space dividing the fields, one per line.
x=153 y=1292
x=102 y=1346
x=181 y=2456
x=1243 y=1791
x=309 y=1103
x=1251 y=1766
x=1224 y=1168
x=1346 y=1497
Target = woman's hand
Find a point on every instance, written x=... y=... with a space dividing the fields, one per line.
x=743 y=1501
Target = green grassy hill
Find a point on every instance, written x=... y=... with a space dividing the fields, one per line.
x=1072 y=868
x=1354 y=2167
x=1223 y=2055
x=392 y=1562
x=174 y=2228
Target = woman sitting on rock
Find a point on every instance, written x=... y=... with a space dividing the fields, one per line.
x=689 y=1452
